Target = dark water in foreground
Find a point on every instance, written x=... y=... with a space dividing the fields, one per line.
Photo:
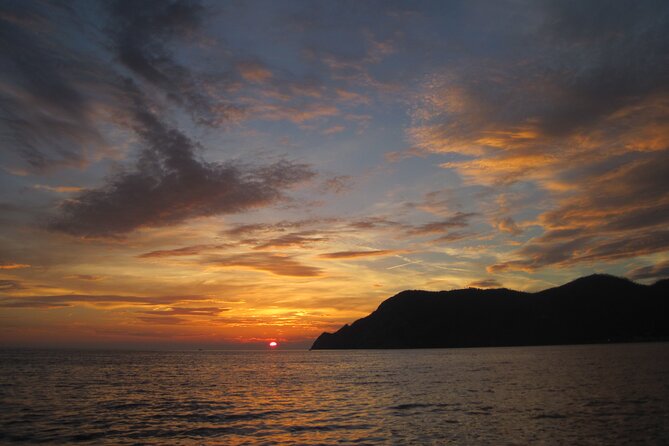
x=606 y=394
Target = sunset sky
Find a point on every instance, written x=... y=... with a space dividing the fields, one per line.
x=223 y=174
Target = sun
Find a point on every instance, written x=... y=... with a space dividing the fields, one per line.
x=273 y=344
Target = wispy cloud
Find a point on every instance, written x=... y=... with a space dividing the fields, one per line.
x=183 y=251
x=281 y=265
x=657 y=271
x=5 y=265
x=48 y=301
x=359 y=254
x=459 y=220
x=485 y=283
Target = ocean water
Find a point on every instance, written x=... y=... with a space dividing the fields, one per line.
x=591 y=394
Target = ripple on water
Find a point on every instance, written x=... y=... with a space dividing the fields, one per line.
x=468 y=396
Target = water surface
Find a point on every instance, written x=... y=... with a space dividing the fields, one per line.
x=594 y=394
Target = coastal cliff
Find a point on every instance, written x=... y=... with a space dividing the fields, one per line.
x=593 y=309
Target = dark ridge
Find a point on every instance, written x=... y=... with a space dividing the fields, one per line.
x=593 y=309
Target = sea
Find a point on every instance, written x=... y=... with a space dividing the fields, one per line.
x=557 y=395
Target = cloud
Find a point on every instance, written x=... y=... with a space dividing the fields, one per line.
x=658 y=271
x=338 y=184
x=452 y=237
x=254 y=71
x=10 y=285
x=298 y=113
x=334 y=130
x=62 y=99
x=540 y=253
x=359 y=254
x=185 y=311
x=50 y=95
x=526 y=116
x=485 y=283
x=619 y=212
x=170 y=185
x=257 y=228
x=509 y=226
x=162 y=320
x=281 y=265
x=183 y=251
x=87 y=277
x=374 y=223
x=65 y=300
x=594 y=140
x=351 y=96
x=139 y=34
x=58 y=189
x=458 y=220
x=297 y=239
x=6 y=265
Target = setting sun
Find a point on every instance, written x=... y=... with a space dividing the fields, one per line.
x=273 y=344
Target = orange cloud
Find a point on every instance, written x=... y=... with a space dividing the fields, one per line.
x=509 y=226
x=91 y=277
x=13 y=265
x=59 y=189
x=254 y=71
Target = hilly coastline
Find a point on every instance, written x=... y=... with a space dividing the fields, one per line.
x=592 y=309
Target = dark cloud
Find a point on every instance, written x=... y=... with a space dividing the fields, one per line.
x=60 y=91
x=246 y=229
x=586 y=61
x=10 y=285
x=140 y=33
x=626 y=246
x=360 y=254
x=539 y=253
x=281 y=226
x=162 y=320
x=373 y=223
x=186 y=311
x=338 y=184
x=183 y=251
x=658 y=271
x=452 y=237
x=459 y=220
x=47 y=111
x=170 y=185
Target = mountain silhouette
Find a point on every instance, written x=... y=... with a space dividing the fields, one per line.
x=592 y=309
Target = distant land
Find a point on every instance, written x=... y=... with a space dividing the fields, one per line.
x=592 y=309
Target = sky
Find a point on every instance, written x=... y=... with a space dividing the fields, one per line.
x=178 y=174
